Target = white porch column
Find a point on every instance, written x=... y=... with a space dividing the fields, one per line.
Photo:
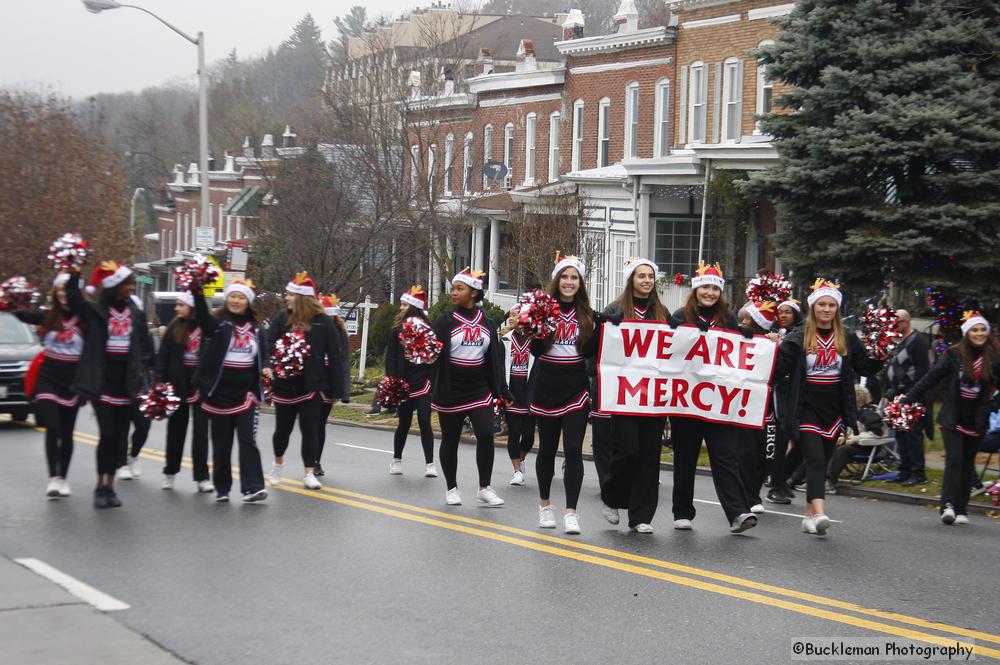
x=642 y=225
x=435 y=273
x=479 y=248
x=494 y=267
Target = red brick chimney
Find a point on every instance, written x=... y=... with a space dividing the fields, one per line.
x=573 y=25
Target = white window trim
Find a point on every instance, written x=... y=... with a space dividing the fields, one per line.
x=762 y=84
x=467 y=163
x=578 y=125
x=530 y=148
x=449 y=162
x=693 y=95
x=631 y=120
x=732 y=81
x=414 y=169
x=431 y=159
x=603 y=127
x=487 y=152
x=508 y=154
x=661 y=117
x=554 y=152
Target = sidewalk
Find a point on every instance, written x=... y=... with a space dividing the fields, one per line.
x=42 y=624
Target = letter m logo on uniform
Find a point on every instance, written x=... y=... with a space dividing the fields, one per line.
x=565 y=332
x=241 y=341
x=470 y=335
x=120 y=327
x=826 y=357
x=519 y=358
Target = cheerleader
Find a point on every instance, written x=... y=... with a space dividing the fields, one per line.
x=819 y=363
x=560 y=389
x=413 y=303
x=520 y=422
x=789 y=317
x=634 y=478
x=466 y=379
x=176 y=363
x=229 y=380
x=970 y=368
x=338 y=366
x=299 y=396
x=706 y=308
x=56 y=405
x=113 y=367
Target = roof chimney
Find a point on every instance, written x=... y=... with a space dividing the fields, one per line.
x=193 y=174
x=484 y=64
x=267 y=147
x=573 y=25
x=247 y=148
x=211 y=162
x=230 y=163
x=178 y=175
x=627 y=18
x=446 y=81
x=414 y=83
x=288 y=138
x=526 y=56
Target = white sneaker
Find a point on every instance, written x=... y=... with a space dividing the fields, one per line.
x=808 y=525
x=430 y=471
x=310 y=483
x=610 y=514
x=52 y=488
x=253 y=497
x=682 y=524
x=396 y=467
x=643 y=528
x=961 y=519
x=521 y=469
x=743 y=522
x=64 y=487
x=757 y=509
x=452 y=498
x=948 y=515
x=546 y=518
x=571 y=523
x=822 y=523
x=133 y=465
x=489 y=496
x=274 y=477
x=167 y=483
x=205 y=486
x=124 y=473
x=517 y=479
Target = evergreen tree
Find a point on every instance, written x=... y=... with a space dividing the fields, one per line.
x=891 y=157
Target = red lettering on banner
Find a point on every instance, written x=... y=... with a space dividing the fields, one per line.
x=746 y=356
x=664 y=341
x=728 y=395
x=699 y=349
x=639 y=390
x=744 y=401
x=696 y=395
x=660 y=391
x=636 y=337
x=724 y=348
x=680 y=393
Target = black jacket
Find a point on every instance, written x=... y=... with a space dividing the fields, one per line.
x=791 y=372
x=495 y=366
x=948 y=367
x=89 y=378
x=339 y=363
x=218 y=333
x=170 y=362
x=320 y=338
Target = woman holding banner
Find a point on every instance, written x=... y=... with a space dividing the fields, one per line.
x=634 y=476
x=818 y=364
x=706 y=308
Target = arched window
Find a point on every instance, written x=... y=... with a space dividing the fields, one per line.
x=577 y=154
x=732 y=99
x=467 y=164
x=632 y=120
x=530 y=129
x=508 y=154
x=487 y=152
x=449 y=159
x=603 y=132
x=765 y=89
x=698 y=102
x=554 y=146
x=661 y=130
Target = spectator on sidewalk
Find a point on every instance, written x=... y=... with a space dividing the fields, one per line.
x=870 y=426
x=905 y=367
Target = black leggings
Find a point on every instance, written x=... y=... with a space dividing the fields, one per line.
x=725 y=451
x=284 y=423
x=324 y=414
x=244 y=426
x=633 y=481
x=112 y=445
x=451 y=434
x=140 y=433
x=572 y=426
x=959 y=468
x=816 y=452
x=422 y=405
x=177 y=426
x=58 y=422
x=520 y=434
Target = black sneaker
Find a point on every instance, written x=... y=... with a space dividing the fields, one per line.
x=901 y=479
x=113 y=500
x=101 y=497
x=258 y=495
x=913 y=481
x=318 y=470
x=789 y=494
x=777 y=496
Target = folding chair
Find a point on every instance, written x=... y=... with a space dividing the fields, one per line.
x=881 y=456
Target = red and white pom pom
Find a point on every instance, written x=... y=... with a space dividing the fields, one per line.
x=499 y=407
x=879 y=332
x=268 y=389
x=679 y=278
x=69 y=252
x=903 y=417
x=199 y=267
x=160 y=402
x=536 y=314
x=290 y=354
x=420 y=345
x=768 y=286
x=16 y=293
x=391 y=391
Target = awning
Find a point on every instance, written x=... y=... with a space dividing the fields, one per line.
x=247 y=204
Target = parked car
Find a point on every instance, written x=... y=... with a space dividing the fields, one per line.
x=18 y=347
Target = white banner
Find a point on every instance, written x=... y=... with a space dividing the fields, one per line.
x=647 y=368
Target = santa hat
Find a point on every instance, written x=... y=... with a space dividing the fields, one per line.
x=563 y=262
x=110 y=274
x=245 y=287
x=634 y=262
x=302 y=285
x=793 y=303
x=60 y=280
x=763 y=314
x=823 y=287
x=707 y=275
x=972 y=319
x=186 y=298
x=415 y=297
x=471 y=278
x=331 y=305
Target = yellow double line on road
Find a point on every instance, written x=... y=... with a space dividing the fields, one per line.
x=696 y=578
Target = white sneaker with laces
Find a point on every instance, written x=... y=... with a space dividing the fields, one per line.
x=809 y=525
x=571 y=523
x=546 y=518
x=64 y=487
x=488 y=495
x=961 y=519
x=948 y=515
x=430 y=471
x=682 y=524
x=167 y=483
x=452 y=498
x=643 y=528
x=205 y=486
x=610 y=514
x=133 y=465
x=124 y=473
x=396 y=467
x=274 y=477
x=310 y=482
x=52 y=489
x=822 y=523
x=517 y=479
x=757 y=509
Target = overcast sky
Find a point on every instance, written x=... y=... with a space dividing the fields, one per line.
x=58 y=45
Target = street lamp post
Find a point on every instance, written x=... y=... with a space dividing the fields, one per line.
x=205 y=218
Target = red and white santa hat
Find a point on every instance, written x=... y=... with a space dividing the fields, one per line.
x=110 y=274
x=791 y=302
x=415 y=297
x=302 y=285
x=707 y=275
x=971 y=319
x=60 y=280
x=471 y=278
x=634 y=262
x=824 y=287
x=186 y=298
x=763 y=313
x=246 y=287
x=563 y=262
x=331 y=305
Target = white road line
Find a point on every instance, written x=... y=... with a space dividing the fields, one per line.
x=85 y=592
x=374 y=450
x=767 y=511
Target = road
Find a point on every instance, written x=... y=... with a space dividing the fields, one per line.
x=375 y=568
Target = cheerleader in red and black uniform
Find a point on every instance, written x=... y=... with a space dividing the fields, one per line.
x=633 y=481
x=560 y=389
x=467 y=377
x=706 y=308
x=338 y=367
x=56 y=404
x=520 y=422
x=413 y=303
x=819 y=363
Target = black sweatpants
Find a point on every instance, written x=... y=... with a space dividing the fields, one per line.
x=58 y=422
x=816 y=451
x=602 y=446
x=776 y=455
x=140 y=433
x=520 y=434
x=177 y=426
x=572 y=426
x=754 y=462
x=324 y=414
x=284 y=423
x=724 y=444
x=244 y=426
x=112 y=444
x=451 y=434
x=634 y=478
x=959 y=467
x=422 y=405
